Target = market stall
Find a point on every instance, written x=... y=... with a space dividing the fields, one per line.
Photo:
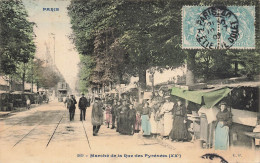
x=243 y=103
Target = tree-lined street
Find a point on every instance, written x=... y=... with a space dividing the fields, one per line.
x=45 y=134
x=137 y=70
x=47 y=130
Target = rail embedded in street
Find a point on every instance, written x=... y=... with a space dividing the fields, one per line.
x=54 y=130
x=86 y=134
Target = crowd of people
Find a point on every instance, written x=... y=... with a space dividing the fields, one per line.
x=159 y=116
x=162 y=116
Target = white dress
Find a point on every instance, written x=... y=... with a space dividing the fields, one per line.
x=168 y=118
x=153 y=123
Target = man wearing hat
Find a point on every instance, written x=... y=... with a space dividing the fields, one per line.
x=83 y=103
x=97 y=115
x=71 y=106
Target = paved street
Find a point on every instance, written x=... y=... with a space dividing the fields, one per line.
x=45 y=132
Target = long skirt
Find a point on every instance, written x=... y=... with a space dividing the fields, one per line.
x=167 y=123
x=122 y=120
x=221 y=137
x=108 y=118
x=160 y=129
x=179 y=129
x=138 y=123
x=153 y=124
x=146 y=126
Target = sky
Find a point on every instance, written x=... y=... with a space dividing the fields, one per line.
x=58 y=23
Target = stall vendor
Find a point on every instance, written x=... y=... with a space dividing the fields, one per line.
x=224 y=121
x=179 y=130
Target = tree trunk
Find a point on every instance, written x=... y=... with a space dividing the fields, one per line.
x=32 y=83
x=120 y=80
x=236 y=68
x=10 y=83
x=153 y=83
x=120 y=76
x=37 y=85
x=190 y=80
x=142 y=78
x=23 y=77
x=142 y=82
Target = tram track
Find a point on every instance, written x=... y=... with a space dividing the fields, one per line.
x=38 y=124
x=55 y=130
x=86 y=134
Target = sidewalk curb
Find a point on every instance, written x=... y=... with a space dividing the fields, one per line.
x=4 y=114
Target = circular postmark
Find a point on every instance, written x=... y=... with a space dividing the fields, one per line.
x=217 y=28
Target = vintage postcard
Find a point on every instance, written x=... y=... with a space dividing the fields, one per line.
x=129 y=81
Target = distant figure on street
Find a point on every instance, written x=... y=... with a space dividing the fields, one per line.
x=137 y=122
x=118 y=109
x=83 y=104
x=123 y=119
x=28 y=102
x=71 y=106
x=108 y=110
x=66 y=101
x=40 y=99
x=37 y=98
x=131 y=119
x=97 y=115
x=113 y=112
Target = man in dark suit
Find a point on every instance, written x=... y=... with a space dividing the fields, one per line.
x=71 y=106
x=83 y=104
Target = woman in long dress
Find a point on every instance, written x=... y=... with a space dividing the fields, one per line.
x=137 y=122
x=131 y=119
x=224 y=121
x=179 y=130
x=168 y=118
x=155 y=118
x=123 y=119
x=108 y=110
x=153 y=122
x=160 y=119
x=146 y=125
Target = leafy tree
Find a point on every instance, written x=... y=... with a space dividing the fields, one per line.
x=16 y=33
x=84 y=73
x=45 y=76
x=120 y=30
x=145 y=34
x=90 y=24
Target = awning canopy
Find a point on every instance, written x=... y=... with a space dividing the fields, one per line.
x=209 y=97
